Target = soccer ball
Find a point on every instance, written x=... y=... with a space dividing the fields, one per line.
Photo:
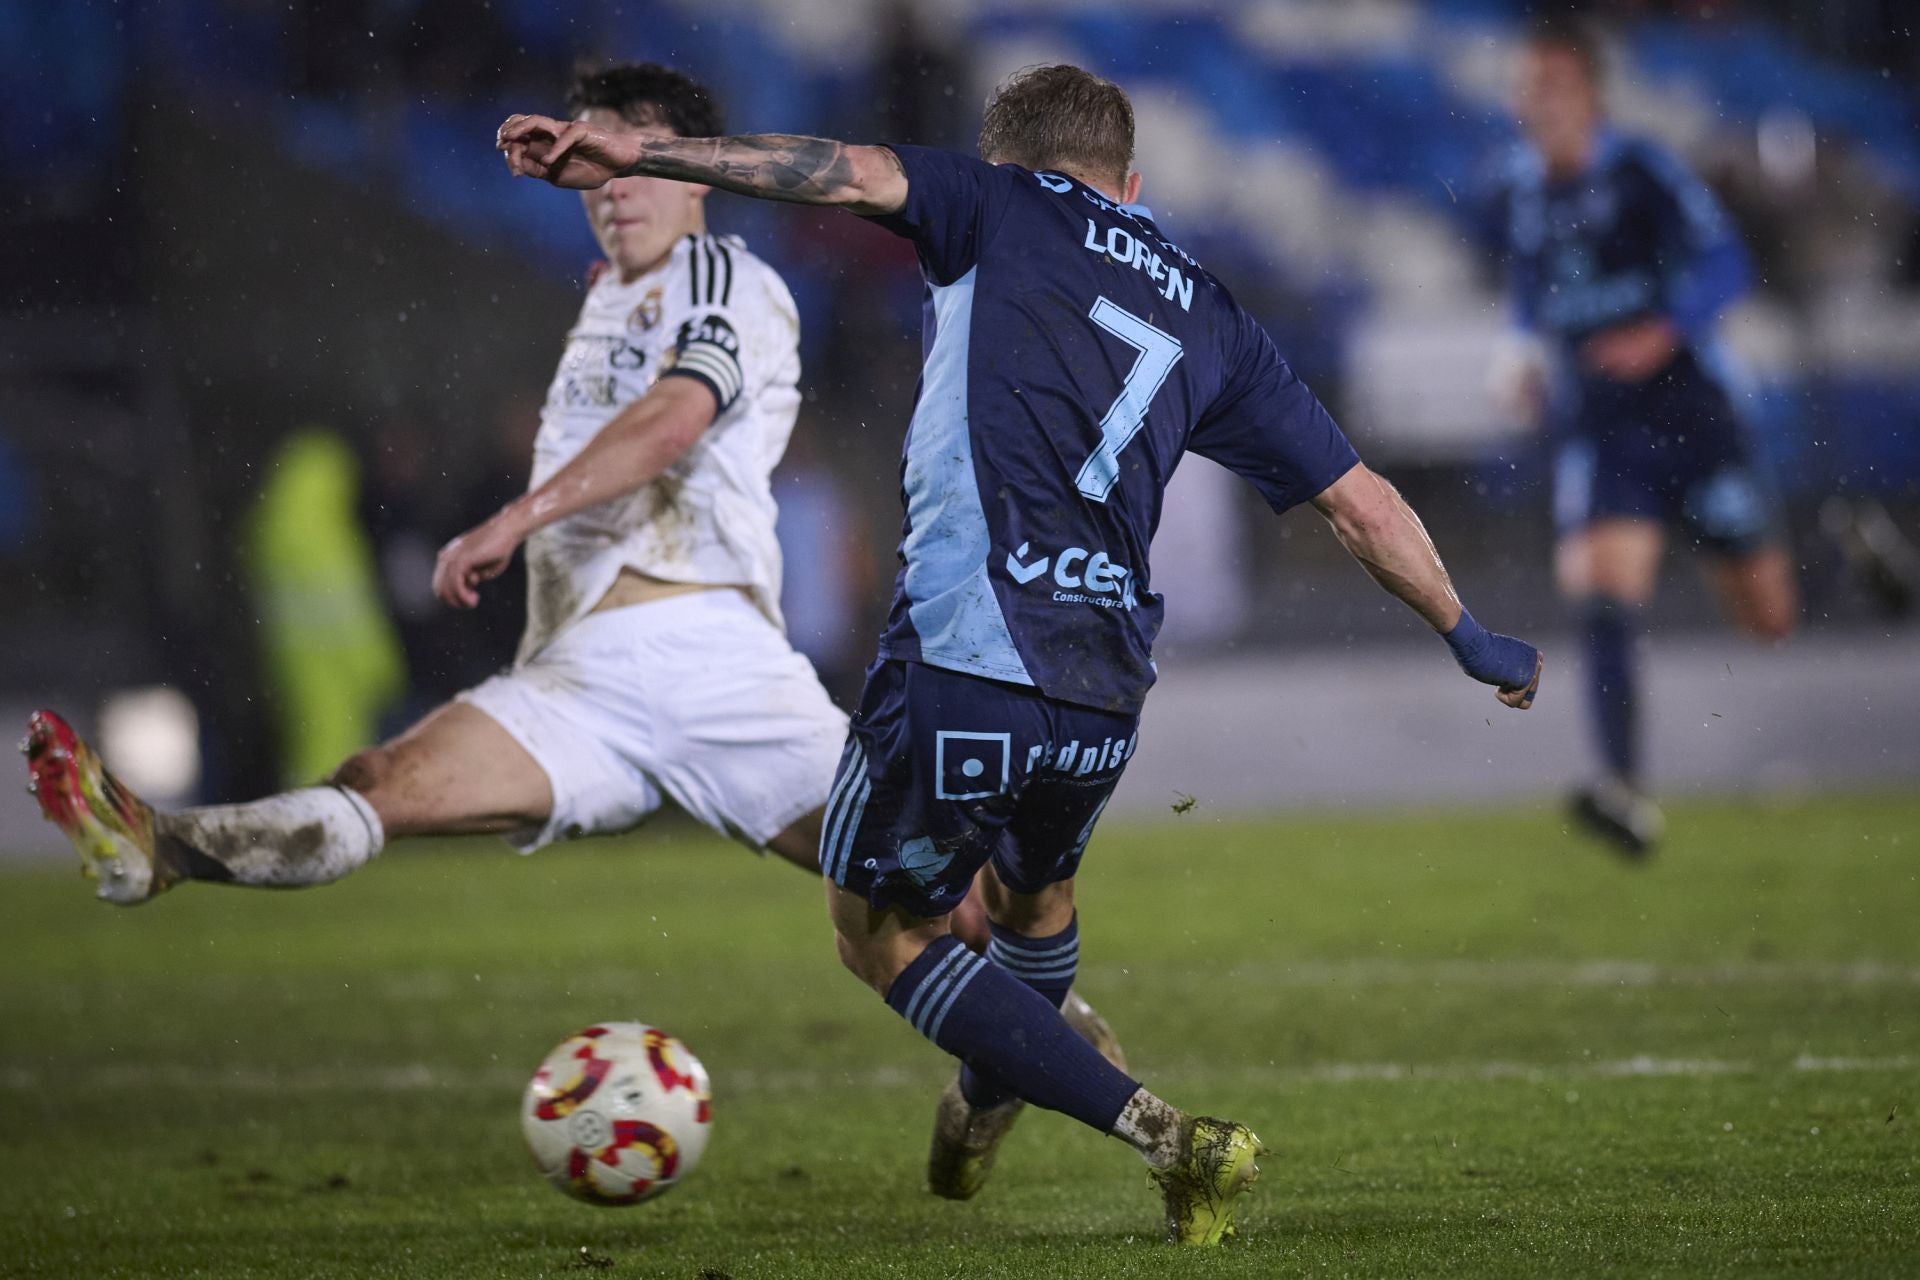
x=617 y=1114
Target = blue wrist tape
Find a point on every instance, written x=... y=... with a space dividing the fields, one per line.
x=1466 y=638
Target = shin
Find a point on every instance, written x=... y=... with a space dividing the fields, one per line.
x=298 y=838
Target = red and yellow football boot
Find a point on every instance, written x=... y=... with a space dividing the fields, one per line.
x=110 y=826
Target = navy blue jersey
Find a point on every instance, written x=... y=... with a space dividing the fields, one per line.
x=1073 y=354
x=1635 y=236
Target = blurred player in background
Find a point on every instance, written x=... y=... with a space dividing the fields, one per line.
x=653 y=664
x=1073 y=355
x=1620 y=261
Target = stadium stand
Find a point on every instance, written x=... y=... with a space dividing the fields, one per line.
x=1332 y=152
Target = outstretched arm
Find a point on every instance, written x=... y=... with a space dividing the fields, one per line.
x=635 y=446
x=769 y=166
x=1377 y=526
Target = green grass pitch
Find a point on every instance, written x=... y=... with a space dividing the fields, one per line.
x=1478 y=1046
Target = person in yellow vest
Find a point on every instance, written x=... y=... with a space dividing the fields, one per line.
x=331 y=654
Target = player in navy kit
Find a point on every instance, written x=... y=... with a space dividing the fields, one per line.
x=1073 y=355
x=1620 y=261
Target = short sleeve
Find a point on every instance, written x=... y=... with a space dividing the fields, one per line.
x=1704 y=263
x=707 y=349
x=953 y=201
x=1268 y=428
x=715 y=335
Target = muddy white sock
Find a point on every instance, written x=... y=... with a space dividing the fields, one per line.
x=1150 y=1127
x=297 y=838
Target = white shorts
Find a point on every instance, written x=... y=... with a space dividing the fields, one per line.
x=696 y=697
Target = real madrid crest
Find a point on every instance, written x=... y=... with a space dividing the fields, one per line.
x=647 y=314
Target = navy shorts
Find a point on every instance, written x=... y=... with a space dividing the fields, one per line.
x=1671 y=450
x=945 y=772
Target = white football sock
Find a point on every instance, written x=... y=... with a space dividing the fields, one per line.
x=311 y=836
x=1150 y=1127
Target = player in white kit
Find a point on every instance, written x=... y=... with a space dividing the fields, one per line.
x=654 y=663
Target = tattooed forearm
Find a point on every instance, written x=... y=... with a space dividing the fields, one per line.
x=772 y=166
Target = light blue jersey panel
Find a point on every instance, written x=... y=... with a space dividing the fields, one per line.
x=949 y=597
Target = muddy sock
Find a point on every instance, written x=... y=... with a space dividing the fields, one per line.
x=1150 y=1127
x=297 y=838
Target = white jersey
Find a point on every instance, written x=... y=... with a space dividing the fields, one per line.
x=714 y=312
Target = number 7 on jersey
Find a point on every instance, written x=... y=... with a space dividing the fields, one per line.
x=1158 y=351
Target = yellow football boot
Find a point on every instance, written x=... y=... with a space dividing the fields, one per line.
x=966 y=1139
x=1217 y=1162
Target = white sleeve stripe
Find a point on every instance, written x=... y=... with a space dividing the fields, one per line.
x=717 y=366
x=725 y=391
x=715 y=357
x=726 y=386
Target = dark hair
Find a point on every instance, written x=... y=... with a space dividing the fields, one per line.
x=1575 y=36
x=1059 y=117
x=645 y=93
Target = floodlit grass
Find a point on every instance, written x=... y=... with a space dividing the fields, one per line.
x=1479 y=1047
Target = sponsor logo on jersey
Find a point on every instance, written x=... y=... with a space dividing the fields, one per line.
x=592 y=352
x=589 y=370
x=1082 y=576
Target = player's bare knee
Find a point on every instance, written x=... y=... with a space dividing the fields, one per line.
x=866 y=961
x=849 y=956
x=1765 y=610
x=968 y=924
x=1571 y=577
x=364 y=771
x=1773 y=623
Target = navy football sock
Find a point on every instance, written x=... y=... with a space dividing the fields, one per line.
x=1045 y=964
x=1612 y=684
x=1004 y=1029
